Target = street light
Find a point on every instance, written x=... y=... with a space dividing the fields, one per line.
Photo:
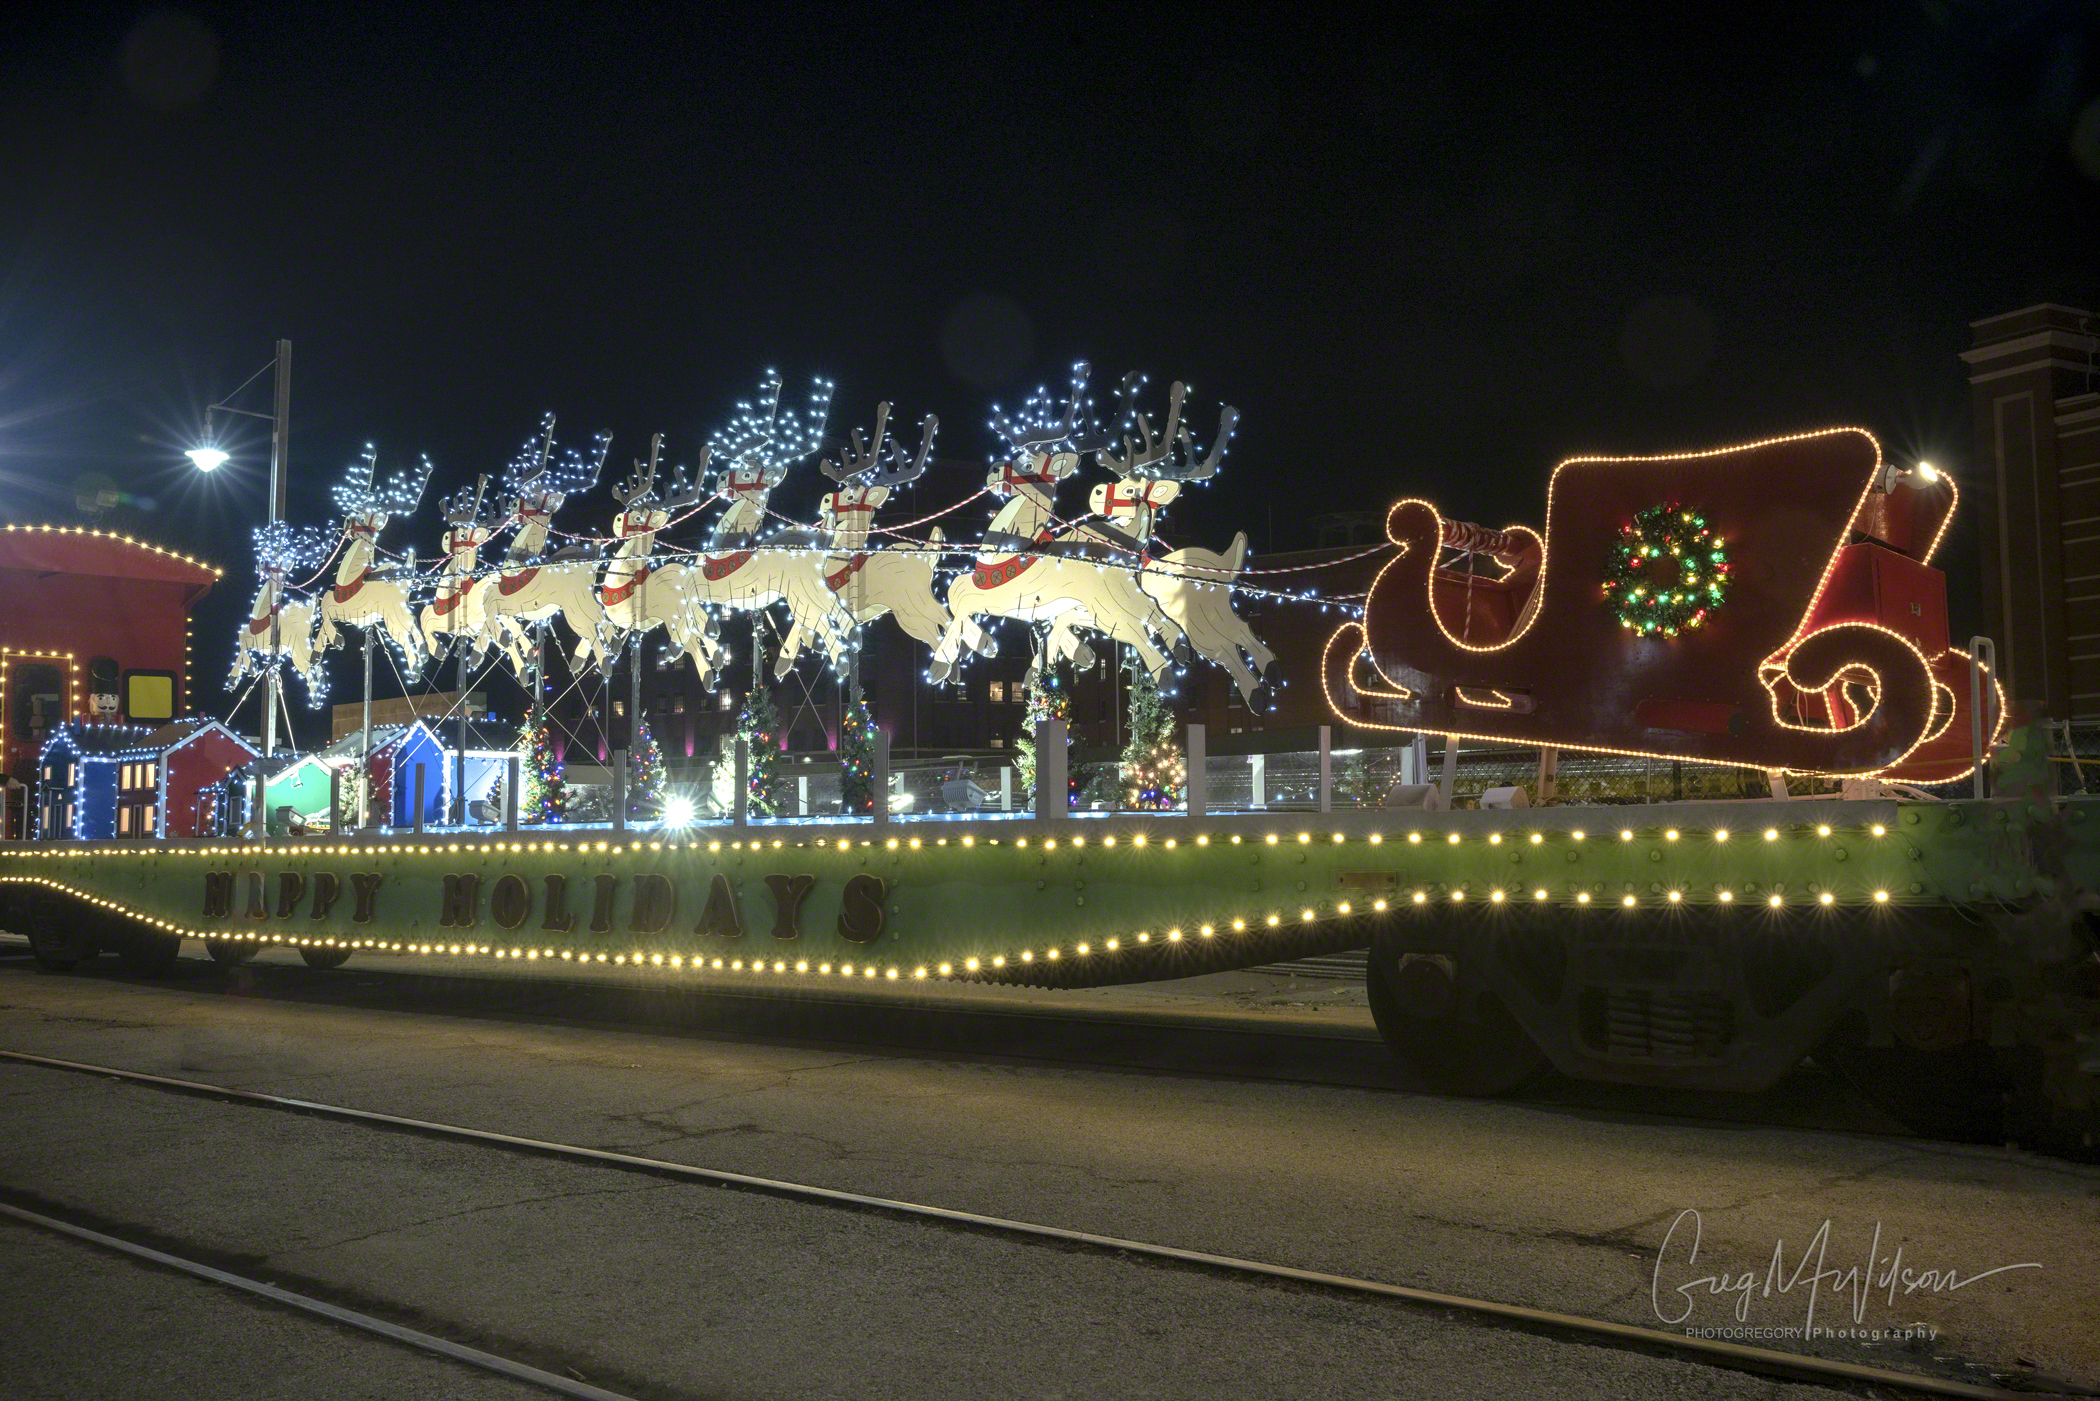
x=209 y=457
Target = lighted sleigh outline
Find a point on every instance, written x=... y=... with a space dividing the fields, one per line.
x=1838 y=691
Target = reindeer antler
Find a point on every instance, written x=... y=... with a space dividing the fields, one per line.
x=768 y=440
x=639 y=484
x=461 y=509
x=537 y=469
x=910 y=467
x=281 y=547
x=1038 y=426
x=856 y=459
x=1171 y=454
x=352 y=496
x=684 y=494
x=403 y=491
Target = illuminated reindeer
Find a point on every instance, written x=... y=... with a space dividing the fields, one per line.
x=534 y=586
x=362 y=596
x=1192 y=587
x=1017 y=577
x=634 y=602
x=890 y=579
x=748 y=567
x=278 y=549
x=456 y=609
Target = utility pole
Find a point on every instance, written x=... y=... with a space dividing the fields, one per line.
x=280 y=449
x=364 y=763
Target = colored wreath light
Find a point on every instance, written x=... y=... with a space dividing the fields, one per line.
x=1667 y=572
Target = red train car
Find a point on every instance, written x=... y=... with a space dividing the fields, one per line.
x=95 y=627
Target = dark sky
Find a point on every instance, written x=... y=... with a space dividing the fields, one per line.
x=1429 y=253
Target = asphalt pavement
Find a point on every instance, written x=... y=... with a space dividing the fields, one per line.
x=1034 y=1108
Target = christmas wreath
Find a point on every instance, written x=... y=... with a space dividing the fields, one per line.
x=1667 y=571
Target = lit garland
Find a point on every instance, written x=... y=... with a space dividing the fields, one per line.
x=856 y=761
x=1049 y=698
x=758 y=726
x=1155 y=771
x=645 y=772
x=542 y=795
x=1667 y=571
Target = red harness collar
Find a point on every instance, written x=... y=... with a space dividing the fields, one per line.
x=846 y=571
x=1005 y=571
x=713 y=569
x=620 y=593
x=442 y=605
x=343 y=592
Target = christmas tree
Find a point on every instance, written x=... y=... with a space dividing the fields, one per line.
x=1154 y=768
x=856 y=760
x=759 y=728
x=1049 y=698
x=645 y=773
x=542 y=796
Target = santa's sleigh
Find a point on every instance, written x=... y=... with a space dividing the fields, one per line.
x=1815 y=642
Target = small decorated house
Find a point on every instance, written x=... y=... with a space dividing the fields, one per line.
x=91 y=777
x=306 y=786
x=191 y=761
x=399 y=752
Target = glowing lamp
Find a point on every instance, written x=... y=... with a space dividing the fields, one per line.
x=207 y=458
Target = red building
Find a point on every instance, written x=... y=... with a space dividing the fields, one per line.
x=96 y=627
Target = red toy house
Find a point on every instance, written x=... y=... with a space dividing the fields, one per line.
x=195 y=757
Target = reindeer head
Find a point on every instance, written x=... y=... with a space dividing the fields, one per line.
x=1154 y=466
x=540 y=478
x=466 y=528
x=367 y=506
x=863 y=483
x=642 y=510
x=1043 y=446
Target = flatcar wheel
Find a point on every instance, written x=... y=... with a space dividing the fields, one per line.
x=228 y=953
x=59 y=935
x=1421 y=1011
x=325 y=957
x=147 y=954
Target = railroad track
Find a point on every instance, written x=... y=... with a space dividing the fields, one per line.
x=1568 y=1327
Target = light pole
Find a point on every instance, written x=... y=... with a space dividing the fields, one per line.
x=209 y=456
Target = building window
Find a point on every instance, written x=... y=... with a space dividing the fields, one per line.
x=998 y=743
x=723 y=700
x=619 y=707
x=995 y=692
x=678 y=705
x=152 y=779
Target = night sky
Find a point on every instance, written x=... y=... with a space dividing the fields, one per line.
x=1431 y=254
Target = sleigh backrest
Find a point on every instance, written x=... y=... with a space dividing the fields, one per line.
x=1782 y=508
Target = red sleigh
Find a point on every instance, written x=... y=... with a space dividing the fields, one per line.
x=1816 y=641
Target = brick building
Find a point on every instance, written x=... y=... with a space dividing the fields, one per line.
x=2035 y=381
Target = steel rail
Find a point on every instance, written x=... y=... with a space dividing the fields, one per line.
x=335 y=1313
x=1711 y=1351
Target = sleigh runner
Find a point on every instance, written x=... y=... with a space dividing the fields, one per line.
x=1770 y=605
